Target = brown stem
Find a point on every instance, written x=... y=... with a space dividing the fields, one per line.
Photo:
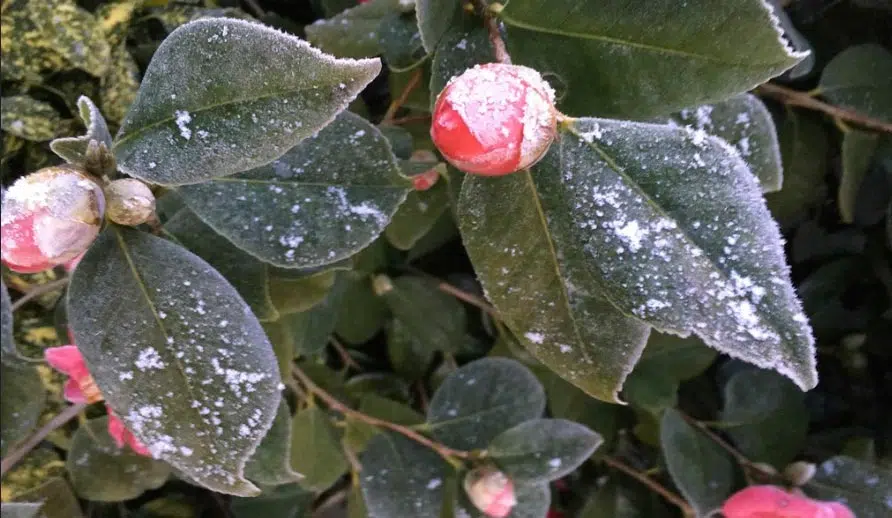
x=444 y=451
x=28 y=444
x=489 y=12
x=803 y=100
x=741 y=459
x=670 y=497
x=410 y=119
x=39 y=290
x=395 y=105
x=343 y=354
x=469 y=298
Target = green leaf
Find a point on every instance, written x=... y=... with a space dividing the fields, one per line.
x=860 y=78
x=300 y=294
x=74 y=149
x=700 y=468
x=804 y=145
x=745 y=123
x=419 y=98
x=797 y=41
x=246 y=273
x=176 y=353
x=613 y=501
x=359 y=433
x=430 y=316
x=8 y=351
x=402 y=478
x=865 y=488
x=435 y=18
x=410 y=357
x=461 y=47
x=285 y=501
x=102 y=472
x=56 y=498
x=481 y=400
x=28 y=118
x=765 y=429
x=310 y=329
x=222 y=96
x=615 y=61
x=361 y=313
x=858 y=149
x=19 y=510
x=400 y=42
x=324 y=200
x=418 y=214
x=22 y=399
x=543 y=450
x=566 y=401
x=74 y=34
x=354 y=32
x=315 y=451
x=667 y=223
x=566 y=325
x=682 y=358
x=270 y=465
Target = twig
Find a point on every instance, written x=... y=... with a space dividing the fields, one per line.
x=255 y=8
x=444 y=451
x=343 y=353
x=28 y=444
x=741 y=459
x=410 y=119
x=469 y=298
x=671 y=497
x=492 y=26
x=803 y=100
x=398 y=102
x=39 y=290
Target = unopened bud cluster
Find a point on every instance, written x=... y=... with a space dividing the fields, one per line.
x=494 y=119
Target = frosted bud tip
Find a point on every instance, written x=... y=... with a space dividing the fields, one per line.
x=130 y=202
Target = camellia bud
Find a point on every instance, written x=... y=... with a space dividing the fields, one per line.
x=130 y=202
x=494 y=119
x=490 y=491
x=49 y=218
x=800 y=472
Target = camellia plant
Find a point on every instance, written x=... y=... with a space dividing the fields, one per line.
x=434 y=258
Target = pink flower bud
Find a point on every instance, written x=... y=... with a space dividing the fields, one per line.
x=49 y=218
x=774 y=502
x=490 y=491
x=425 y=180
x=122 y=435
x=494 y=119
x=130 y=202
x=80 y=387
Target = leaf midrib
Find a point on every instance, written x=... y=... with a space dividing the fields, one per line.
x=633 y=44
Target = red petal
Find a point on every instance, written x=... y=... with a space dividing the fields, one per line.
x=68 y=360
x=73 y=392
x=18 y=247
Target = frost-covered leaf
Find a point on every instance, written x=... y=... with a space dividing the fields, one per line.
x=797 y=41
x=22 y=399
x=417 y=215
x=354 y=32
x=315 y=450
x=20 y=510
x=74 y=149
x=247 y=274
x=615 y=61
x=309 y=330
x=324 y=200
x=804 y=144
x=858 y=149
x=700 y=468
x=361 y=313
x=431 y=316
x=400 y=42
x=177 y=353
x=28 y=118
x=102 y=472
x=860 y=78
x=745 y=123
x=8 y=351
x=410 y=357
x=567 y=401
x=465 y=44
x=542 y=450
x=671 y=227
x=765 y=429
x=222 y=96
x=864 y=487
x=271 y=463
x=481 y=400
x=402 y=478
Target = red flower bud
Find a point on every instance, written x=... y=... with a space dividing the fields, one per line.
x=490 y=491
x=774 y=502
x=494 y=119
x=49 y=218
x=425 y=180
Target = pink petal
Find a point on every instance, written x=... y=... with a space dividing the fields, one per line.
x=72 y=264
x=73 y=392
x=839 y=510
x=122 y=435
x=68 y=360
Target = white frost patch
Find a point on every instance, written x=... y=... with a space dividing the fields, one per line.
x=183 y=119
x=632 y=233
x=434 y=483
x=536 y=338
x=554 y=463
x=149 y=359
